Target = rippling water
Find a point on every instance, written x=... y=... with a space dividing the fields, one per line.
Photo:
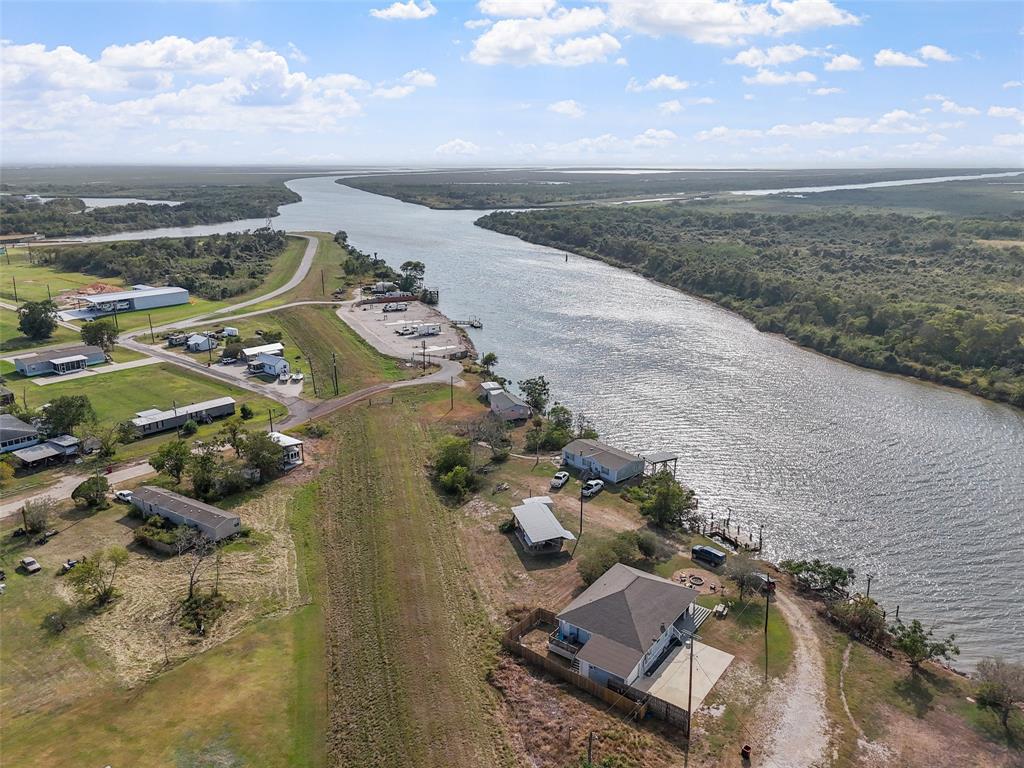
x=919 y=485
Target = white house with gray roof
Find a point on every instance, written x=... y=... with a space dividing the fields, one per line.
x=603 y=461
x=509 y=407
x=153 y=420
x=60 y=361
x=620 y=627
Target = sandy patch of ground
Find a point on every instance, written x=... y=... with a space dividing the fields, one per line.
x=800 y=734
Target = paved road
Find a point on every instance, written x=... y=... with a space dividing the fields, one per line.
x=65 y=484
x=300 y=274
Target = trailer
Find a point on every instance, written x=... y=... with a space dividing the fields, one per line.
x=428 y=329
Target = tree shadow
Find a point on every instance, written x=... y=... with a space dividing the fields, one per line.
x=916 y=691
x=542 y=561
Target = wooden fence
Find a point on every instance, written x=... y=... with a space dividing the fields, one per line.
x=511 y=641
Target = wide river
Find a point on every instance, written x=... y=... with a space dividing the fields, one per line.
x=921 y=486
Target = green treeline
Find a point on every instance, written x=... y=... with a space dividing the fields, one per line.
x=921 y=296
x=214 y=266
x=66 y=216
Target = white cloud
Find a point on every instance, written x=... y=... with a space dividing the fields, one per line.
x=671 y=107
x=726 y=22
x=748 y=97
x=567 y=108
x=546 y=40
x=954 y=108
x=890 y=58
x=420 y=78
x=622 y=61
x=771 y=77
x=654 y=137
x=722 y=133
x=826 y=91
x=516 y=8
x=934 y=53
x=458 y=147
x=409 y=11
x=1013 y=84
x=394 y=91
x=844 y=62
x=702 y=100
x=818 y=129
x=1012 y=112
x=771 y=57
x=659 y=83
x=1008 y=140
x=477 y=23
x=296 y=54
x=899 y=121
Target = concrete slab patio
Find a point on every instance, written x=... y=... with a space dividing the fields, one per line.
x=671 y=681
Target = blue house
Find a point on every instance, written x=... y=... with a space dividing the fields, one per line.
x=623 y=624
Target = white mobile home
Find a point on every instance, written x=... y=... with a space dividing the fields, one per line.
x=198 y=342
x=154 y=420
x=604 y=461
x=215 y=523
x=269 y=365
x=251 y=353
x=292 y=447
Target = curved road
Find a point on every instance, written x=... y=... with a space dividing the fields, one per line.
x=299 y=409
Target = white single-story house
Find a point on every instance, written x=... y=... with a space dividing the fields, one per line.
x=270 y=365
x=621 y=625
x=538 y=530
x=507 y=406
x=60 y=361
x=251 y=353
x=199 y=342
x=604 y=461
x=292 y=447
x=215 y=523
x=152 y=421
x=16 y=434
x=486 y=388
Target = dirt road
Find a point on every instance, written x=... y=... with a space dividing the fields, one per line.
x=799 y=736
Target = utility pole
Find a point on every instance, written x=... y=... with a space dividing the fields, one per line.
x=451 y=393
x=312 y=375
x=323 y=287
x=767 y=595
x=270 y=411
x=689 y=694
x=49 y=295
x=15 y=284
x=590 y=749
x=334 y=363
x=424 y=345
x=152 y=336
x=870 y=577
x=117 y=326
x=571 y=554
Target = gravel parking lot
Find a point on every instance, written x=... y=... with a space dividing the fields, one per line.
x=380 y=328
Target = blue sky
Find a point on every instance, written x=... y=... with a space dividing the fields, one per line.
x=710 y=83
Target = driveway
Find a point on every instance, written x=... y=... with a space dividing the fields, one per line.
x=62 y=489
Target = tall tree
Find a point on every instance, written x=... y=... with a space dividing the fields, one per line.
x=194 y=551
x=668 y=503
x=67 y=412
x=93 y=578
x=100 y=333
x=37 y=319
x=261 y=453
x=171 y=458
x=1002 y=686
x=536 y=392
x=234 y=434
x=92 y=492
x=488 y=360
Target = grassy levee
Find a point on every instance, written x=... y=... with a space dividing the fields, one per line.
x=32 y=281
x=408 y=639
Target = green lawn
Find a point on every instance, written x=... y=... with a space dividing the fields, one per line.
x=11 y=339
x=32 y=281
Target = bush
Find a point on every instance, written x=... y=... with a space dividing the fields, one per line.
x=507 y=526
x=246 y=411
x=189 y=428
x=458 y=482
x=452 y=452
x=316 y=429
x=92 y=492
x=625 y=548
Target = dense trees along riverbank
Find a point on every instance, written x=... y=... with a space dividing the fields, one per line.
x=936 y=298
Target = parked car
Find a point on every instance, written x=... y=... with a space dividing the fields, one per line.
x=31 y=565
x=560 y=479
x=67 y=565
x=125 y=496
x=406 y=331
x=593 y=487
x=297 y=377
x=284 y=377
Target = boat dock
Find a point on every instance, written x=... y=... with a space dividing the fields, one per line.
x=734 y=535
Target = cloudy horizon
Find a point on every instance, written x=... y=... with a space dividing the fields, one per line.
x=714 y=83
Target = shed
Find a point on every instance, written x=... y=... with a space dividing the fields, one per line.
x=292 y=448
x=507 y=406
x=69 y=445
x=486 y=388
x=229 y=331
x=35 y=455
x=538 y=530
x=251 y=353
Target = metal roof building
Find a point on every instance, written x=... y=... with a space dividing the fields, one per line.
x=215 y=523
x=15 y=433
x=538 y=529
x=140 y=297
x=154 y=420
x=60 y=360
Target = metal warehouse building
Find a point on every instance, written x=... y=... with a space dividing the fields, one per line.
x=139 y=297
